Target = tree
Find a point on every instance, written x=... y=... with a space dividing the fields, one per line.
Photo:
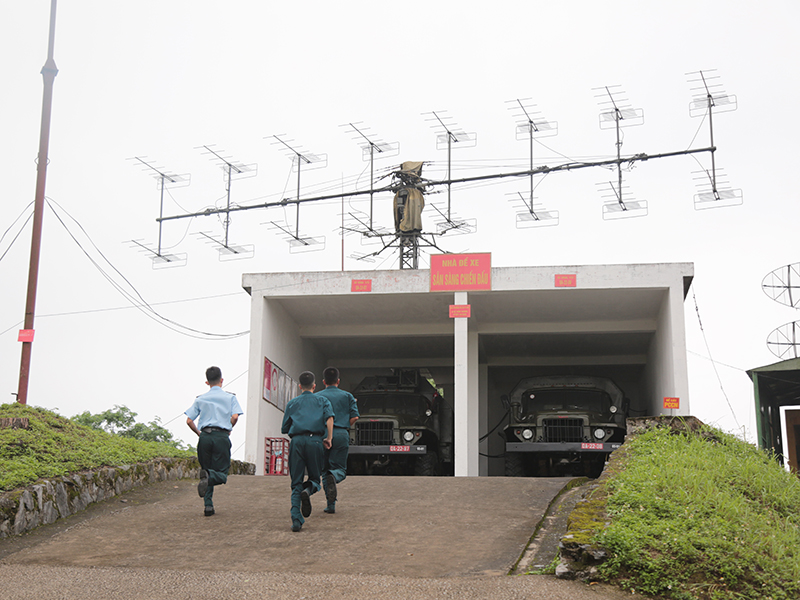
x=121 y=421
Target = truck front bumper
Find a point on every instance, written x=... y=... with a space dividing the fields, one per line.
x=399 y=450
x=560 y=447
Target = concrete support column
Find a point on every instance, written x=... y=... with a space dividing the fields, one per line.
x=254 y=438
x=465 y=405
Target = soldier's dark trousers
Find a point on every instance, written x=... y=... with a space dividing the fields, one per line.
x=214 y=454
x=306 y=452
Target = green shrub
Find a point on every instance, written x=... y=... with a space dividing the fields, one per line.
x=53 y=446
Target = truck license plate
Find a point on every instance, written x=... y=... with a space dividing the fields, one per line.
x=399 y=448
x=591 y=446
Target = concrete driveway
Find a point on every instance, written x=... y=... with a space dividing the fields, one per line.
x=400 y=537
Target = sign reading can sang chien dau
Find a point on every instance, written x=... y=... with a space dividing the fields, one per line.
x=461 y=272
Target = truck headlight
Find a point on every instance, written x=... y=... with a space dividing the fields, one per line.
x=527 y=434
x=599 y=433
x=613 y=409
x=408 y=436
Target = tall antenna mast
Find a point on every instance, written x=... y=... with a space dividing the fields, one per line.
x=49 y=72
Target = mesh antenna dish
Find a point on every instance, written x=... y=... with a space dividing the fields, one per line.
x=231 y=171
x=784 y=342
x=165 y=180
x=783 y=285
x=708 y=98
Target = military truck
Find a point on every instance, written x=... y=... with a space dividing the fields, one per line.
x=405 y=427
x=563 y=425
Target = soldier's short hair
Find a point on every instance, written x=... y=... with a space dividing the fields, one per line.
x=213 y=374
x=330 y=375
x=306 y=380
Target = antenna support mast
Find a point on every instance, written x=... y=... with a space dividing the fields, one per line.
x=49 y=72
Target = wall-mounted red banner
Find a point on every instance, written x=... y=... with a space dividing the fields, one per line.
x=566 y=280
x=461 y=272
x=25 y=335
x=361 y=285
x=672 y=403
x=460 y=311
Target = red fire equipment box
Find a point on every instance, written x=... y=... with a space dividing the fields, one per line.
x=276 y=456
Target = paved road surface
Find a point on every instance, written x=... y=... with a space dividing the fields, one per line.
x=392 y=537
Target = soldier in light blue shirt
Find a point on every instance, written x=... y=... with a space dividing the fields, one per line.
x=307 y=420
x=211 y=417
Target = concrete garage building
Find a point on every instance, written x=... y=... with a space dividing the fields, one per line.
x=625 y=322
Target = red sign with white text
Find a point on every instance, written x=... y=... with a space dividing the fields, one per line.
x=461 y=272
x=672 y=403
x=460 y=311
x=25 y=335
x=361 y=285
x=566 y=280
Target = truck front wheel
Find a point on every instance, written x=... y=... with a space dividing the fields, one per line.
x=515 y=465
x=425 y=465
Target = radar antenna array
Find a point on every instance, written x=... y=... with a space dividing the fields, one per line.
x=231 y=171
x=166 y=180
x=409 y=187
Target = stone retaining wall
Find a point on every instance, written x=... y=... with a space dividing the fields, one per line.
x=40 y=504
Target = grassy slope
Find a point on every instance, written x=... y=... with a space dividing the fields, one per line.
x=701 y=517
x=54 y=445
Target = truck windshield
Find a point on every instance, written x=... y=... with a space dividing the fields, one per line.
x=392 y=404
x=572 y=399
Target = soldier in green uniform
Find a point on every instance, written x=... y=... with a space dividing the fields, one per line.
x=307 y=419
x=345 y=413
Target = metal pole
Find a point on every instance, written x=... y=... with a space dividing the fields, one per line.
x=713 y=161
x=160 y=214
x=530 y=135
x=619 y=158
x=228 y=206
x=49 y=72
x=449 y=142
x=371 y=180
x=297 y=215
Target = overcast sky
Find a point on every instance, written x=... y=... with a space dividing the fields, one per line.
x=158 y=79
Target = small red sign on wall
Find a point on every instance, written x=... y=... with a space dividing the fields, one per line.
x=361 y=285
x=566 y=280
x=25 y=335
x=460 y=311
x=672 y=403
